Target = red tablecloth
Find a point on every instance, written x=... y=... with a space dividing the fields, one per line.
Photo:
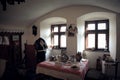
x=83 y=67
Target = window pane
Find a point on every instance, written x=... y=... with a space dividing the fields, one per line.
x=55 y=40
x=63 y=29
x=91 y=41
x=55 y=29
x=63 y=41
x=101 y=40
x=101 y=26
x=91 y=27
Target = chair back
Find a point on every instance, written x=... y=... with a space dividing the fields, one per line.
x=30 y=58
x=2 y=66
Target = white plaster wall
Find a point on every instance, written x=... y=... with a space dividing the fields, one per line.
x=92 y=56
x=118 y=42
x=112 y=34
x=10 y=28
x=45 y=27
x=77 y=15
x=118 y=37
x=71 y=14
x=45 y=33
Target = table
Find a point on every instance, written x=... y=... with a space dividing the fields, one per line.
x=64 y=71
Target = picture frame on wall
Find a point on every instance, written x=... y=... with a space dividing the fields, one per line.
x=15 y=37
x=34 y=30
x=0 y=40
x=72 y=30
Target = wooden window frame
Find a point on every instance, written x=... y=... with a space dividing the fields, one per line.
x=96 y=32
x=59 y=35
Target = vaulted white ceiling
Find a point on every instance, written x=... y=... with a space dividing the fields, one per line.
x=26 y=13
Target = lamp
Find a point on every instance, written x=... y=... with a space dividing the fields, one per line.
x=10 y=2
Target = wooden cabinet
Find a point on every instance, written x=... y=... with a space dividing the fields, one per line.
x=13 y=52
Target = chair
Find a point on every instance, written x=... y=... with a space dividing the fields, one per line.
x=111 y=69
x=2 y=67
x=93 y=74
x=30 y=63
x=30 y=58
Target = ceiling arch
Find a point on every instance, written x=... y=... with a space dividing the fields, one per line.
x=26 y=13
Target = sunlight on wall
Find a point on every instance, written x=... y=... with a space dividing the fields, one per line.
x=98 y=16
x=45 y=27
x=45 y=30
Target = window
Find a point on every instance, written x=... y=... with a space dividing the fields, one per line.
x=58 y=36
x=97 y=35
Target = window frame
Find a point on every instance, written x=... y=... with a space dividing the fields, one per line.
x=96 y=32
x=59 y=33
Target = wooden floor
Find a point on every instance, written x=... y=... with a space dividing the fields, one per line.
x=14 y=74
x=36 y=77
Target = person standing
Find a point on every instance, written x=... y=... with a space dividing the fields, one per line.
x=40 y=46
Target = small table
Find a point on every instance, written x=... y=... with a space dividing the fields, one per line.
x=64 y=71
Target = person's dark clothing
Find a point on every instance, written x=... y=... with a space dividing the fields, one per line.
x=40 y=46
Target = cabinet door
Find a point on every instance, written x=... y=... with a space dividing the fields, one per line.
x=16 y=47
x=14 y=50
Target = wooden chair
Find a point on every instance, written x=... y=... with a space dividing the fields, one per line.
x=30 y=62
x=2 y=67
x=30 y=58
